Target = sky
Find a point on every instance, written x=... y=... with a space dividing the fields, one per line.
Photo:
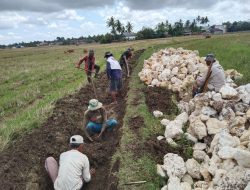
x=30 y=20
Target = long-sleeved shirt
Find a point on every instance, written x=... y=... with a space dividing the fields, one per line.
x=113 y=69
x=216 y=79
x=73 y=169
x=89 y=63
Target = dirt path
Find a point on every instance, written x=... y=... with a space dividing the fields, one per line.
x=22 y=164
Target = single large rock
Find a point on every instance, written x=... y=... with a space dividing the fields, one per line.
x=193 y=168
x=199 y=146
x=235 y=179
x=208 y=111
x=214 y=126
x=227 y=152
x=173 y=130
x=242 y=157
x=198 y=129
x=174 y=165
x=228 y=92
x=217 y=97
x=199 y=155
x=160 y=171
x=187 y=178
x=157 y=113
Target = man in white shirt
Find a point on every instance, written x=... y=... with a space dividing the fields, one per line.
x=73 y=167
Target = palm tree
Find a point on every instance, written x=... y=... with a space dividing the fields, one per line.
x=118 y=26
x=129 y=27
x=111 y=23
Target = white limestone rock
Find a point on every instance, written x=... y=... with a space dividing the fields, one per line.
x=235 y=179
x=207 y=110
x=199 y=155
x=201 y=184
x=242 y=157
x=227 y=114
x=238 y=121
x=193 y=168
x=217 y=97
x=248 y=114
x=228 y=164
x=174 y=165
x=228 y=92
x=157 y=113
x=205 y=174
x=191 y=138
x=204 y=117
x=227 y=152
x=247 y=187
x=200 y=146
x=165 y=122
x=160 y=171
x=198 y=129
x=164 y=188
x=173 y=130
x=214 y=126
x=186 y=186
x=159 y=138
x=175 y=71
x=174 y=183
x=188 y=179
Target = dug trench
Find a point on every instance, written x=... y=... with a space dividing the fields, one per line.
x=22 y=163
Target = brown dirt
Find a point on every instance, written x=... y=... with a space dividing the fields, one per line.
x=160 y=99
x=160 y=148
x=22 y=163
x=136 y=123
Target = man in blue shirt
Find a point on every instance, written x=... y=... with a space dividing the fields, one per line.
x=114 y=74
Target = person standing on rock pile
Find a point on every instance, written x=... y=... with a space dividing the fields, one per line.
x=95 y=120
x=114 y=74
x=90 y=66
x=73 y=170
x=213 y=80
x=124 y=59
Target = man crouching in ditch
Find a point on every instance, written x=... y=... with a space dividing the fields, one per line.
x=73 y=170
x=95 y=120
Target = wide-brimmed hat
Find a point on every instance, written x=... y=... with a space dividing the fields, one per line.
x=76 y=139
x=94 y=104
x=107 y=54
x=210 y=57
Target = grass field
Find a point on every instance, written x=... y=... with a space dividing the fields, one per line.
x=32 y=79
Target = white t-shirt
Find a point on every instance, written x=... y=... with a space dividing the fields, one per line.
x=73 y=170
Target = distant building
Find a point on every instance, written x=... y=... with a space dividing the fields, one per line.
x=187 y=32
x=218 y=29
x=129 y=36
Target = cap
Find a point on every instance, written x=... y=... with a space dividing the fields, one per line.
x=94 y=104
x=107 y=54
x=76 y=139
x=210 y=57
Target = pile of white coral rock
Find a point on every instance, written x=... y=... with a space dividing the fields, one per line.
x=175 y=69
x=225 y=162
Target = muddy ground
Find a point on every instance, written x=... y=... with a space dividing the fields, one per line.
x=22 y=163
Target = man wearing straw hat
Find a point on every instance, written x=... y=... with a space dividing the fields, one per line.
x=95 y=120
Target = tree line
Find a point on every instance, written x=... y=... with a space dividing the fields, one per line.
x=162 y=29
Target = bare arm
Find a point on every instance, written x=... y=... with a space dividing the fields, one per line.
x=84 y=124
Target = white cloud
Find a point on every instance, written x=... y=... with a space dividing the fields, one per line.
x=11 y=20
x=69 y=15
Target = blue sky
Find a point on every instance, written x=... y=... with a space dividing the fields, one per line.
x=29 y=20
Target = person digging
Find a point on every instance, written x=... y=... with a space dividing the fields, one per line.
x=114 y=74
x=124 y=60
x=213 y=80
x=95 y=120
x=89 y=66
x=73 y=170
